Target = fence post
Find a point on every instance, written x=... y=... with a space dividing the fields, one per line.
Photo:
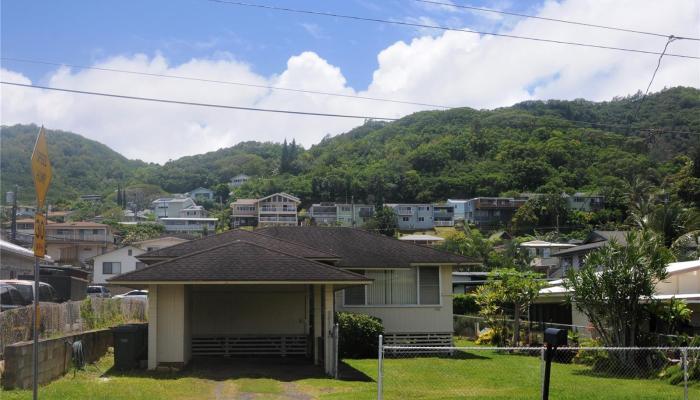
x=542 y=366
x=380 y=367
x=685 y=372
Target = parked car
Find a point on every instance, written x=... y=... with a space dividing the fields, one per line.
x=98 y=291
x=26 y=288
x=134 y=294
x=10 y=298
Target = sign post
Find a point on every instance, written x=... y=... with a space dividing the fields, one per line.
x=41 y=172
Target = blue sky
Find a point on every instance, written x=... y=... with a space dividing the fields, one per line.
x=84 y=32
x=203 y=39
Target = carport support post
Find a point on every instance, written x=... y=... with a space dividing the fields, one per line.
x=318 y=323
x=152 y=326
x=327 y=327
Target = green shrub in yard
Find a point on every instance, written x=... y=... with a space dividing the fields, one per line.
x=359 y=334
x=465 y=304
x=489 y=336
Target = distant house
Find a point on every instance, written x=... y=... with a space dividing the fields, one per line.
x=239 y=180
x=75 y=242
x=458 y=205
x=193 y=212
x=124 y=260
x=338 y=214
x=573 y=257
x=585 y=202
x=279 y=209
x=91 y=197
x=413 y=217
x=189 y=225
x=443 y=214
x=426 y=240
x=166 y=207
x=542 y=257
x=201 y=194
x=491 y=212
x=467 y=282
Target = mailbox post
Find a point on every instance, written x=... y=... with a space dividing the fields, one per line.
x=553 y=338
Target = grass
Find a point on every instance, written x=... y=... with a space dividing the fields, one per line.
x=474 y=375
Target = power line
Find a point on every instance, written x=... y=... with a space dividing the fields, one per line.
x=658 y=65
x=223 y=106
x=190 y=78
x=443 y=28
x=491 y=10
x=190 y=103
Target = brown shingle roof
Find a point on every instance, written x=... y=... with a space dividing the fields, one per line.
x=208 y=242
x=362 y=249
x=239 y=261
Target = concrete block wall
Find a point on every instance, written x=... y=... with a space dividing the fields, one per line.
x=54 y=357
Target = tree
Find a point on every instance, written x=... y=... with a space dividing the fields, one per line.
x=221 y=193
x=508 y=289
x=383 y=221
x=140 y=232
x=613 y=284
x=469 y=243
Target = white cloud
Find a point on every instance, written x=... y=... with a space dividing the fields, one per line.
x=450 y=68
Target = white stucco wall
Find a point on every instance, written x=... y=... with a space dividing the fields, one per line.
x=128 y=262
x=249 y=309
x=412 y=319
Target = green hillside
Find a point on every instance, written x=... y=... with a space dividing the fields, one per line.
x=427 y=156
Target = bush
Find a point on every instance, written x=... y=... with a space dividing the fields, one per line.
x=465 y=304
x=359 y=334
x=489 y=336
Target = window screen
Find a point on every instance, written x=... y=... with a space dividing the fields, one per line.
x=355 y=296
x=111 y=268
x=429 y=285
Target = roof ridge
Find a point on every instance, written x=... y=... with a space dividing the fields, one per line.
x=235 y=242
x=294 y=243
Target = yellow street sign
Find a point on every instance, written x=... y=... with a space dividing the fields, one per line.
x=41 y=168
x=39 y=234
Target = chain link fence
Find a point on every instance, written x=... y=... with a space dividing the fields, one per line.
x=58 y=319
x=480 y=372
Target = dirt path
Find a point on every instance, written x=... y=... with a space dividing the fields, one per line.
x=228 y=391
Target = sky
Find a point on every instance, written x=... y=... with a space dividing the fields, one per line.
x=215 y=41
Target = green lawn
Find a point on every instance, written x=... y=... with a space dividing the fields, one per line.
x=480 y=375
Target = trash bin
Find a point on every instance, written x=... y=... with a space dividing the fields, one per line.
x=129 y=345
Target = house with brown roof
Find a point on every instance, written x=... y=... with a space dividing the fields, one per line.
x=76 y=242
x=274 y=292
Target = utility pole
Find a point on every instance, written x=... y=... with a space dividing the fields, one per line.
x=13 y=228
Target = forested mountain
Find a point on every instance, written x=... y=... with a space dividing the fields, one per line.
x=80 y=165
x=427 y=156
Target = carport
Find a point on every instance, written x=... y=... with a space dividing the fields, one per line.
x=239 y=299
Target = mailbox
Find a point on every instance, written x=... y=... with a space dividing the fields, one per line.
x=555 y=337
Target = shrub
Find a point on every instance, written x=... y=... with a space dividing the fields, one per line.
x=489 y=336
x=465 y=304
x=359 y=334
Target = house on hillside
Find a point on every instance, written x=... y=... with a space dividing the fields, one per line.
x=279 y=209
x=278 y=287
x=338 y=214
x=76 y=242
x=413 y=217
x=490 y=213
x=191 y=225
x=169 y=207
x=585 y=202
x=458 y=205
x=123 y=260
x=200 y=194
x=239 y=180
x=542 y=258
x=443 y=214
x=572 y=257
x=425 y=240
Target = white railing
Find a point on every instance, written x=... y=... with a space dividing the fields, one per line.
x=278 y=219
x=444 y=223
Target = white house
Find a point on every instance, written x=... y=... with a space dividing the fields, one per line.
x=124 y=259
x=278 y=287
x=201 y=193
x=239 y=180
x=542 y=258
x=170 y=207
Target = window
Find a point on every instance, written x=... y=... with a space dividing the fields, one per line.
x=421 y=219
x=397 y=287
x=130 y=252
x=111 y=268
x=404 y=219
x=95 y=231
x=429 y=285
x=140 y=265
